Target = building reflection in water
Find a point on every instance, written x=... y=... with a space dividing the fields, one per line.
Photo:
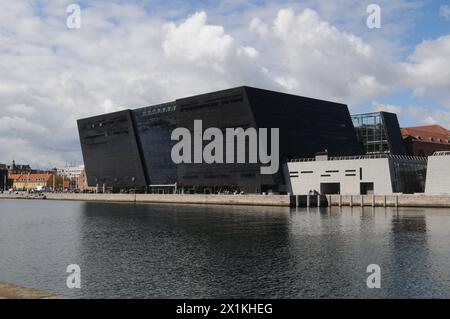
x=195 y=251
x=183 y=251
x=156 y=251
x=409 y=249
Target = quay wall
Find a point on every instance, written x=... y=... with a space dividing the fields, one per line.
x=400 y=200
x=396 y=200
x=253 y=200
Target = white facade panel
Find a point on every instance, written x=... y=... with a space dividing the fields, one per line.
x=438 y=175
x=71 y=171
x=309 y=175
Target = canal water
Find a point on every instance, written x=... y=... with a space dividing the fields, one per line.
x=187 y=251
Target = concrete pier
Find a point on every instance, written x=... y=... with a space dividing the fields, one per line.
x=10 y=291
x=396 y=200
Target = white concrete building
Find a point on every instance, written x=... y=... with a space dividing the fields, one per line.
x=356 y=175
x=438 y=174
x=71 y=171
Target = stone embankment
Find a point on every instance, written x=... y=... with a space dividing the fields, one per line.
x=10 y=291
x=252 y=200
x=395 y=200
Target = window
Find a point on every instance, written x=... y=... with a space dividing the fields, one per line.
x=330 y=188
x=370 y=129
x=366 y=188
x=190 y=177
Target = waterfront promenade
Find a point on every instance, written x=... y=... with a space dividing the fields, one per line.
x=249 y=200
x=397 y=200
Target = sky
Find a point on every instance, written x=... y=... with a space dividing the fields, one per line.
x=128 y=54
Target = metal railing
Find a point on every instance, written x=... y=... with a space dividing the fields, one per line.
x=441 y=153
x=359 y=157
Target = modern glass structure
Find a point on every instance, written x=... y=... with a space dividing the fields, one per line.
x=408 y=176
x=132 y=148
x=379 y=133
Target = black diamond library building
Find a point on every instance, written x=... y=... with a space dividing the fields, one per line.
x=131 y=149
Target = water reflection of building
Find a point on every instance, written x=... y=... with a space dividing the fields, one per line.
x=170 y=251
x=410 y=259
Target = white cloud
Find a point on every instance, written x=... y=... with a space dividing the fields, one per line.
x=256 y=25
x=378 y=107
x=444 y=11
x=195 y=41
x=429 y=72
x=20 y=126
x=416 y=114
x=326 y=62
x=248 y=51
x=125 y=57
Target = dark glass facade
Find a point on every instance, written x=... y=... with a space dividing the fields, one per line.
x=379 y=133
x=154 y=125
x=408 y=176
x=306 y=126
x=224 y=109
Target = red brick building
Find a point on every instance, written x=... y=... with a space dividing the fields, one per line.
x=425 y=140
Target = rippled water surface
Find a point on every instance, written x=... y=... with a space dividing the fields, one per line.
x=165 y=251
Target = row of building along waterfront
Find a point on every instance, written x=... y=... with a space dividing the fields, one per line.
x=19 y=177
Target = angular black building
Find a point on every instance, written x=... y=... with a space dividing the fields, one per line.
x=111 y=151
x=132 y=148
